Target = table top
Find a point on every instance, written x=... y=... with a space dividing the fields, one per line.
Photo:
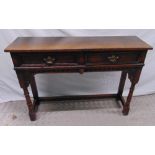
x=46 y=44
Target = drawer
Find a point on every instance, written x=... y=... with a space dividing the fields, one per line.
x=49 y=59
x=70 y=59
x=112 y=58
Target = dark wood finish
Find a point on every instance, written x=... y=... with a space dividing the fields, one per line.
x=77 y=97
x=32 y=55
x=122 y=100
x=34 y=90
x=121 y=84
x=24 y=81
x=44 y=44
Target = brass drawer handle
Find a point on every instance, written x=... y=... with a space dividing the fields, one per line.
x=113 y=58
x=49 y=60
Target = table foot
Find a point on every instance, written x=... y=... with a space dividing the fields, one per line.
x=125 y=111
x=32 y=116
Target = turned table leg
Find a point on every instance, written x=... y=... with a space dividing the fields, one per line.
x=29 y=104
x=24 y=81
x=34 y=88
x=126 y=106
x=134 y=76
x=121 y=84
x=34 y=92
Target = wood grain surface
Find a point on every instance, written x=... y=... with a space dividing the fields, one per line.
x=44 y=44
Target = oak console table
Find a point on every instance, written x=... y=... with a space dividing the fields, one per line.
x=32 y=55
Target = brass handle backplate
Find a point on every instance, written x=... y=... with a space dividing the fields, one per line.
x=113 y=58
x=49 y=60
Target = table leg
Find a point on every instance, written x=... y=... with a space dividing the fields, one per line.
x=34 y=92
x=29 y=104
x=24 y=81
x=126 y=106
x=134 y=76
x=121 y=84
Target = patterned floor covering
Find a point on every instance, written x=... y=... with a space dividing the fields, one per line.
x=98 y=112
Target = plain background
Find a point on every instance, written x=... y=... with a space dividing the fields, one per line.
x=72 y=84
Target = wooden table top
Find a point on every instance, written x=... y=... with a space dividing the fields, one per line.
x=45 y=44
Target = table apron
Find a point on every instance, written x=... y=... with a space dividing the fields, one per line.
x=80 y=68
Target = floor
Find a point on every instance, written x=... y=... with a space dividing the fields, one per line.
x=101 y=112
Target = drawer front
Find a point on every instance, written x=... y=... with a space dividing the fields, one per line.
x=70 y=59
x=49 y=59
x=112 y=58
